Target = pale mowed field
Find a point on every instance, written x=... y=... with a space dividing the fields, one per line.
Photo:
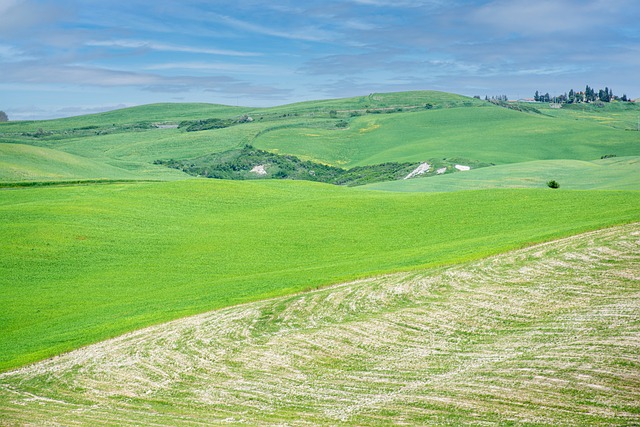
x=548 y=335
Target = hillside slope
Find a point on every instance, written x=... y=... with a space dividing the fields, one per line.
x=547 y=335
x=489 y=134
x=84 y=263
x=26 y=163
x=396 y=127
x=618 y=173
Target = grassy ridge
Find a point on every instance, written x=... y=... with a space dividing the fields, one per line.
x=126 y=141
x=80 y=264
x=375 y=129
x=152 y=113
x=26 y=163
x=618 y=173
x=492 y=134
x=128 y=135
x=19 y=162
x=619 y=115
x=547 y=335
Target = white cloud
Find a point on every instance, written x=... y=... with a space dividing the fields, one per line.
x=313 y=34
x=167 y=47
x=93 y=77
x=124 y=50
x=227 y=67
x=356 y=24
x=400 y=3
x=12 y=54
x=22 y=16
x=545 y=16
x=5 y=5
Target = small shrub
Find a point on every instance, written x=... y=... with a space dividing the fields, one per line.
x=553 y=184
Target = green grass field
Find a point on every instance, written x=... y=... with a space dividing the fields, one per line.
x=547 y=335
x=26 y=163
x=153 y=113
x=97 y=241
x=379 y=128
x=82 y=263
x=492 y=134
x=619 y=115
x=618 y=173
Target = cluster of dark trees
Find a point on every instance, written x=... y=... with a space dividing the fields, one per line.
x=588 y=95
x=494 y=99
x=3 y=117
x=499 y=98
x=208 y=124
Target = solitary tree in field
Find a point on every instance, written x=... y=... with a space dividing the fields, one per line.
x=3 y=117
x=553 y=184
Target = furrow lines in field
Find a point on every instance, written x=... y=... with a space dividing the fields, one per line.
x=548 y=334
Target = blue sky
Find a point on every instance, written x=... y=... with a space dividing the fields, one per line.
x=69 y=57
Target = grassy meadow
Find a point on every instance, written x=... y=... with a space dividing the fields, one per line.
x=490 y=134
x=82 y=263
x=368 y=130
x=99 y=239
x=547 y=335
x=617 y=173
x=21 y=163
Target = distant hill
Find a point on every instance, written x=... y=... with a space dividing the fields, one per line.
x=486 y=133
x=27 y=163
x=403 y=127
x=618 y=173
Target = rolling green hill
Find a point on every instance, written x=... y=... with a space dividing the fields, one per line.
x=141 y=115
x=619 y=115
x=368 y=130
x=83 y=263
x=618 y=173
x=491 y=134
x=26 y=163
x=133 y=135
x=547 y=335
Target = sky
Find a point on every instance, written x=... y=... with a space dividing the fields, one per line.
x=69 y=57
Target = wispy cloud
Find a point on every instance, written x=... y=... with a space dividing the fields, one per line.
x=310 y=33
x=551 y=16
x=399 y=3
x=18 y=17
x=225 y=67
x=89 y=110
x=47 y=74
x=140 y=51
x=12 y=54
x=35 y=72
x=166 y=47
